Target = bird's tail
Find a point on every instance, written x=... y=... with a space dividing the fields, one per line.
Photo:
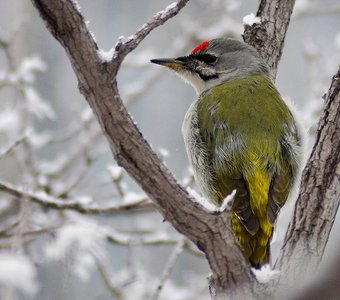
x=256 y=245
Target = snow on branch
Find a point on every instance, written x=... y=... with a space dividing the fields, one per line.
x=47 y=201
x=131 y=151
x=123 y=48
x=251 y=19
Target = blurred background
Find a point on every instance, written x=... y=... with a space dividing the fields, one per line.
x=51 y=147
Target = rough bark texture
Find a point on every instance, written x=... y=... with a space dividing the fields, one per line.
x=96 y=79
x=231 y=274
x=269 y=36
x=319 y=196
x=325 y=287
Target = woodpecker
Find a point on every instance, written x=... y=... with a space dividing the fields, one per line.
x=240 y=135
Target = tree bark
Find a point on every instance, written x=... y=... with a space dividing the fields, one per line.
x=325 y=287
x=210 y=231
x=319 y=197
x=268 y=37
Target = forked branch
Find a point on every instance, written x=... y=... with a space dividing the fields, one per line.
x=211 y=231
x=96 y=78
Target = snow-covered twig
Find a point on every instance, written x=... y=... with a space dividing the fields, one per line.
x=225 y=27
x=67 y=204
x=124 y=48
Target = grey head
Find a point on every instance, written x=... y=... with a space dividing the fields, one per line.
x=216 y=61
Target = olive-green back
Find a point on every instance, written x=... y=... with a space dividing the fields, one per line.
x=247 y=129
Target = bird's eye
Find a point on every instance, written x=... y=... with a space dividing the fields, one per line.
x=207 y=58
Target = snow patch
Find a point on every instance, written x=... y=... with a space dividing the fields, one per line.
x=16 y=271
x=115 y=171
x=251 y=20
x=201 y=200
x=227 y=201
x=207 y=204
x=132 y=197
x=265 y=274
x=76 y=5
x=84 y=199
x=163 y=13
x=106 y=56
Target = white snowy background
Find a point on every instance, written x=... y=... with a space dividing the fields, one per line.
x=52 y=151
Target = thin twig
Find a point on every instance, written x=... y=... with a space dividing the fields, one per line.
x=115 y=291
x=124 y=48
x=117 y=182
x=68 y=204
x=32 y=233
x=18 y=237
x=151 y=240
x=67 y=161
x=3 y=231
x=168 y=268
x=5 y=151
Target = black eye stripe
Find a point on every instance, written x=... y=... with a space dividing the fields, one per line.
x=207 y=58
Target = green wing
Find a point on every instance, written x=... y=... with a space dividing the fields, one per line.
x=242 y=124
x=285 y=176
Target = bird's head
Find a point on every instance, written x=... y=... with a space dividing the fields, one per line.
x=214 y=62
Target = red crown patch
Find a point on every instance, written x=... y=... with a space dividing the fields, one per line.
x=201 y=47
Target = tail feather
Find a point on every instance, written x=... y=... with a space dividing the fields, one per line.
x=256 y=244
x=256 y=247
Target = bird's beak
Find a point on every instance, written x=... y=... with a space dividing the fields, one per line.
x=172 y=63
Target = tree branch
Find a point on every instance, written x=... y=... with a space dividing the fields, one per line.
x=268 y=37
x=96 y=78
x=124 y=48
x=319 y=197
x=210 y=231
x=68 y=204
